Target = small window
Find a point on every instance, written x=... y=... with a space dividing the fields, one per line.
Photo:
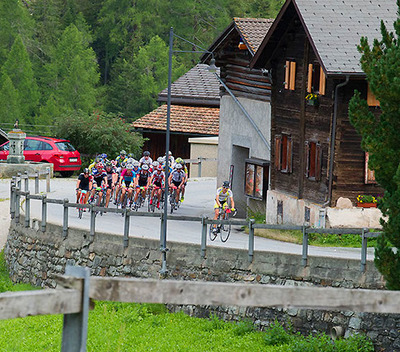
x=32 y=144
x=46 y=146
x=313 y=160
x=369 y=177
x=283 y=153
x=290 y=75
x=371 y=99
x=316 y=79
x=65 y=146
x=256 y=178
x=5 y=147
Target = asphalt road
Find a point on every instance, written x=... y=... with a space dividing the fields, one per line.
x=198 y=202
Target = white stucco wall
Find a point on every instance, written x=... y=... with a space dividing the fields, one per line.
x=239 y=140
x=206 y=148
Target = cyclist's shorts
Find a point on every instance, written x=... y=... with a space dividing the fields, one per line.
x=142 y=184
x=176 y=183
x=158 y=184
x=224 y=205
x=127 y=183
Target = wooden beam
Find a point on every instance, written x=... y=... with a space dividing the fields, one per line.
x=216 y=293
x=41 y=302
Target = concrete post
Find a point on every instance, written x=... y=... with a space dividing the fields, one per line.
x=26 y=181
x=203 y=236
x=44 y=213
x=65 y=217
x=251 y=240
x=126 y=227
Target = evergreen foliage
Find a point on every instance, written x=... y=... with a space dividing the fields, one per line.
x=381 y=138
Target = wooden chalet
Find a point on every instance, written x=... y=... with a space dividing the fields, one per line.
x=243 y=150
x=194 y=113
x=311 y=55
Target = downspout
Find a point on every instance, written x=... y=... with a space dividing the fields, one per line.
x=333 y=140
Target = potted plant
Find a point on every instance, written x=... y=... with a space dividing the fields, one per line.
x=312 y=99
x=366 y=201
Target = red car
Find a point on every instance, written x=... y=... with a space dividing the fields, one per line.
x=65 y=158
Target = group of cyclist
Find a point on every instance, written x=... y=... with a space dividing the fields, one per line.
x=123 y=179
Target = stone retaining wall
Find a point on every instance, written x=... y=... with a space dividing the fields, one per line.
x=33 y=256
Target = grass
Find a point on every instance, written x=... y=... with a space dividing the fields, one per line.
x=150 y=327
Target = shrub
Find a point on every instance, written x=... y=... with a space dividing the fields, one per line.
x=276 y=335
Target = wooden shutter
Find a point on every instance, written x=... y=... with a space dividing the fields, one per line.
x=292 y=78
x=278 y=143
x=322 y=82
x=309 y=80
x=369 y=177
x=318 y=162
x=371 y=99
x=287 y=70
x=289 y=154
x=307 y=157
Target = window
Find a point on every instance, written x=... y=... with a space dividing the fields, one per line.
x=313 y=160
x=47 y=146
x=316 y=79
x=290 y=75
x=32 y=144
x=65 y=146
x=369 y=177
x=256 y=179
x=283 y=153
x=5 y=147
x=371 y=99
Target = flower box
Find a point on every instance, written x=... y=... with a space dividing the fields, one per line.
x=366 y=205
x=313 y=102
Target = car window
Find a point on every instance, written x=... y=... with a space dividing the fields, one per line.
x=65 y=146
x=32 y=144
x=5 y=147
x=46 y=146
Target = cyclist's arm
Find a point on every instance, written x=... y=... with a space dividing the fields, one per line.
x=169 y=180
x=232 y=202
x=78 y=184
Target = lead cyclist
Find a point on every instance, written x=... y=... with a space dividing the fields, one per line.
x=224 y=194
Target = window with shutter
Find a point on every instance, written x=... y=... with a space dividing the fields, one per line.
x=369 y=177
x=316 y=82
x=283 y=153
x=313 y=156
x=290 y=75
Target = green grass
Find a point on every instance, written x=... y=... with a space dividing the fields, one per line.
x=150 y=327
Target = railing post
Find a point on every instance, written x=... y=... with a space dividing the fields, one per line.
x=251 y=240
x=65 y=217
x=203 y=236
x=92 y=222
x=12 y=197
x=19 y=180
x=199 y=168
x=126 y=227
x=75 y=326
x=26 y=181
x=17 y=204
x=47 y=179
x=44 y=213
x=36 y=182
x=305 y=246
x=364 y=246
x=27 y=209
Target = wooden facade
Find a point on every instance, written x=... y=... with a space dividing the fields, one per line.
x=301 y=129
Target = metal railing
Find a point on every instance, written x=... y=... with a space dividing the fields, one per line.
x=15 y=202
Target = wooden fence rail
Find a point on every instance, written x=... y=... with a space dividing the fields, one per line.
x=78 y=287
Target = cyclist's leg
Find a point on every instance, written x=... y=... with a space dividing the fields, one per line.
x=78 y=195
x=108 y=195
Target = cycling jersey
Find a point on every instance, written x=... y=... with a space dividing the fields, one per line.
x=158 y=178
x=143 y=177
x=110 y=177
x=178 y=175
x=98 y=175
x=127 y=175
x=223 y=197
x=120 y=160
x=84 y=184
x=147 y=161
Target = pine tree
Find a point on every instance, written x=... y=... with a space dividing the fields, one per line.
x=9 y=98
x=381 y=139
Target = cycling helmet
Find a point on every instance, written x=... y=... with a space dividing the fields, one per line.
x=179 y=160
x=160 y=159
x=104 y=156
x=129 y=166
x=97 y=159
x=225 y=184
x=146 y=153
x=122 y=152
x=178 y=166
x=130 y=160
x=114 y=162
x=136 y=164
x=109 y=164
x=99 y=165
x=130 y=155
x=85 y=170
x=155 y=163
x=159 y=168
x=145 y=167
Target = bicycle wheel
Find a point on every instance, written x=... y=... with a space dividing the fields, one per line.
x=225 y=230
x=213 y=234
x=172 y=200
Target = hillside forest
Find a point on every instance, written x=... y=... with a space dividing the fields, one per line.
x=101 y=59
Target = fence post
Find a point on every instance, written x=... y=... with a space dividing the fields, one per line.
x=126 y=227
x=12 y=197
x=75 y=326
x=92 y=222
x=19 y=180
x=17 y=204
x=27 y=209
x=44 y=212
x=305 y=246
x=36 y=182
x=26 y=181
x=364 y=246
x=47 y=179
x=203 y=236
x=251 y=239
x=199 y=168
x=65 y=217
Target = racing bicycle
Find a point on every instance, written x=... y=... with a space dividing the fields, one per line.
x=224 y=230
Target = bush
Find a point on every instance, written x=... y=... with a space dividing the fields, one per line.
x=276 y=335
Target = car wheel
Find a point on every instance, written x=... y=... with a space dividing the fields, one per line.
x=66 y=173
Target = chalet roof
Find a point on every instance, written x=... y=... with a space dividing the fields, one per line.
x=184 y=119
x=3 y=134
x=335 y=28
x=198 y=86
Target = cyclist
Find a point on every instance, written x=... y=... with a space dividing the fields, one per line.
x=224 y=194
x=177 y=179
x=184 y=168
x=142 y=180
x=96 y=160
x=126 y=178
x=100 y=178
x=121 y=158
x=84 y=183
x=145 y=159
x=157 y=179
x=111 y=181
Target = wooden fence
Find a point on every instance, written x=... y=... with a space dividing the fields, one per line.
x=78 y=288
